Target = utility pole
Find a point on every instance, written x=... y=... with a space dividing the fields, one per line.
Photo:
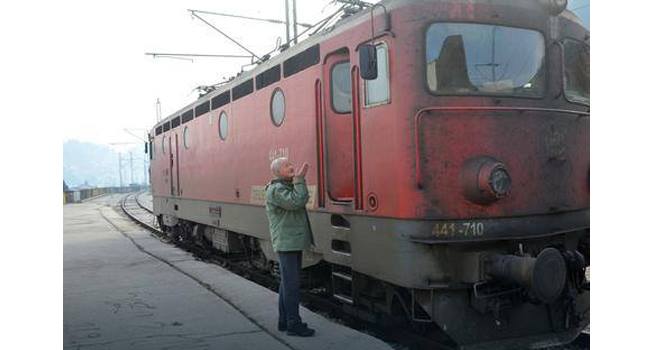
x=295 y=24
x=287 y=21
x=144 y=169
x=144 y=158
x=131 y=161
x=119 y=157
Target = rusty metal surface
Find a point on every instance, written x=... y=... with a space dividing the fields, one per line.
x=401 y=173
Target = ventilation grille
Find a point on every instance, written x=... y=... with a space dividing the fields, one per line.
x=201 y=109
x=242 y=89
x=176 y=122
x=221 y=100
x=187 y=116
x=267 y=77
x=301 y=61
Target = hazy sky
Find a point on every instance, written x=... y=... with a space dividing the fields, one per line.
x=115 y=86
x=581 y=9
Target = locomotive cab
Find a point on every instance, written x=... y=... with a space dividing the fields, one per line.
x=497 y=133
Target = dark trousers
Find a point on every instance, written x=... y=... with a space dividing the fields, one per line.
x=289 y=301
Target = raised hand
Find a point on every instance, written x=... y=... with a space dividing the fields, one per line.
x=303 y=170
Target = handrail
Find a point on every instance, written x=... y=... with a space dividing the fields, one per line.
x=356 y=129
x=320 y=144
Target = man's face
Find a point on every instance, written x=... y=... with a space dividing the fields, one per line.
x=286 y=170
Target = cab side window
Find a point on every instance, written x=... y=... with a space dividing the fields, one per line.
x=378 y=90
x=576 y=71
x=341 y=86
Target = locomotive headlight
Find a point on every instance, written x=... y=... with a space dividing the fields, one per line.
x=500 y=181
x=485 y=180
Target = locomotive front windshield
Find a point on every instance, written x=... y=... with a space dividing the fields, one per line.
x=481 y=59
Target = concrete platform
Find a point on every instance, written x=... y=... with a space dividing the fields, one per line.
x=124 y=289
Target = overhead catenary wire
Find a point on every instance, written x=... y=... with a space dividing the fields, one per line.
x=320 y=24
x=270 y=20
x=155 y=54
x=175 y=58
x=255 y=59
x=193 y=12
x=358 y=3
x=579 y=7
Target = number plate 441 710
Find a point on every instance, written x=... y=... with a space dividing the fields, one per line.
x=458 y=229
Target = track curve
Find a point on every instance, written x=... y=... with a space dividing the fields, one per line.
x=136 y=210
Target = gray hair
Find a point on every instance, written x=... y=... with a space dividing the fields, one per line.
x=276 y=164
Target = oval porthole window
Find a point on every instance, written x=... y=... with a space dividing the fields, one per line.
x=163 y=144
x=223 y=125
x=186 y=137
x=277 y=107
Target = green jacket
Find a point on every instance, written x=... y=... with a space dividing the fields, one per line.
x=288 y=221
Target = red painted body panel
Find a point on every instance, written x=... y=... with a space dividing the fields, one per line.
x=546 y=153
x=543 y=152
x=405 y=166
x=339 y=157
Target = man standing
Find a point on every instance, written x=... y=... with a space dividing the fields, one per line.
x=286 y=197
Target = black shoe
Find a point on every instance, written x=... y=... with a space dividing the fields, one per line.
x=301 y=330
x=282 y=326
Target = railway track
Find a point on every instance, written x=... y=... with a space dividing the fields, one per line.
x=402 y=338
x=133 y=207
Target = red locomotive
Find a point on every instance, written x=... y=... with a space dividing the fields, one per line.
x=450 y=143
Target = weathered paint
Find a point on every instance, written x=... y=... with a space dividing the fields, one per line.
x=386 y=135
x=400 y=163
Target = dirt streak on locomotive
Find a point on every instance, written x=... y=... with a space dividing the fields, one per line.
x=450 y=142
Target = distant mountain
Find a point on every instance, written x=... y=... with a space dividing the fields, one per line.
x=97 y=165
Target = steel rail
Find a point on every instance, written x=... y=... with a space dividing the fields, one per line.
x=406 y=338
x=137 y=200
x=137 y=220
x=192 y=277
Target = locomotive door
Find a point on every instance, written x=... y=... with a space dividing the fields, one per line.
x=171 y=166
x=337 y=107
x=175 y=183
